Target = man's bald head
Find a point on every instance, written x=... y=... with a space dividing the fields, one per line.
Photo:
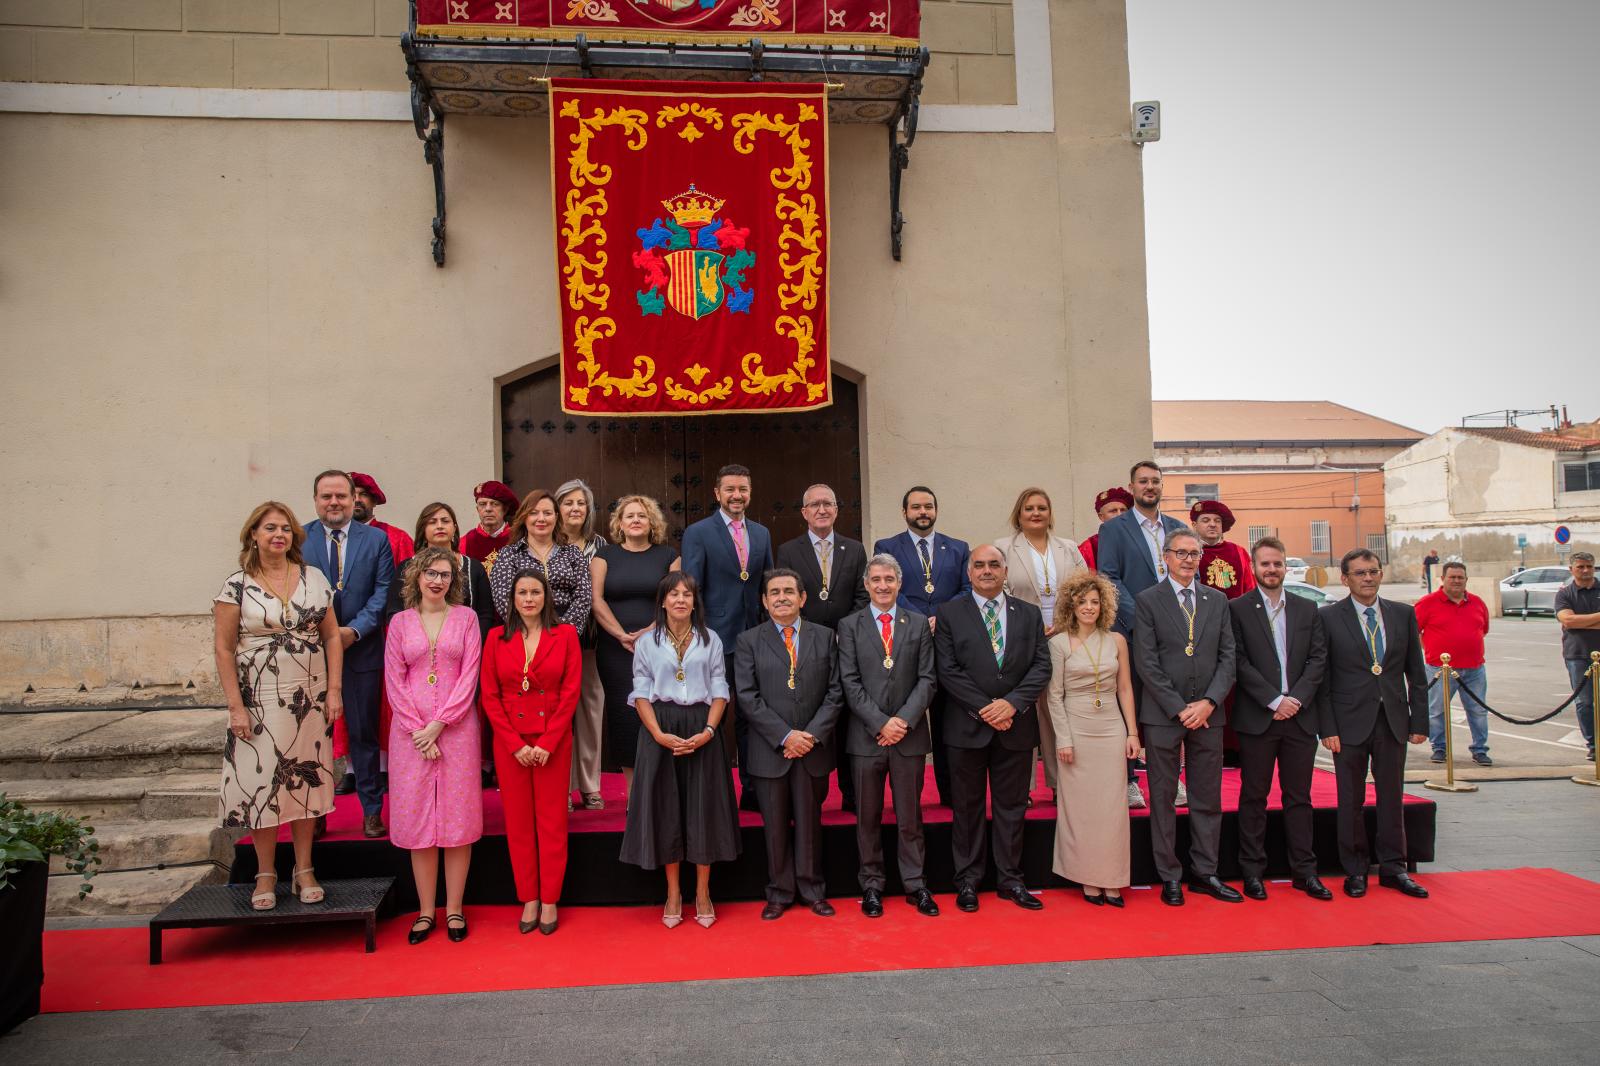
x=986 y=569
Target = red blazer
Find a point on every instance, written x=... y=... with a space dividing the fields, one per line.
x=541 y=716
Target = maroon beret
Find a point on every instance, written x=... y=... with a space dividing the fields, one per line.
x=365 y=481
x=1115 y=494
x=494 y=490
x=1216 y=507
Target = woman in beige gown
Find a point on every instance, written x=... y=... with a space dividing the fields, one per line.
x=1091 y=707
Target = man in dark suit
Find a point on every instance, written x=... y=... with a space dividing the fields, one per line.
x=1129 y=552
x=726 y=554
x=1183 y=648
x=832 y=568
x=1281 y=656
x=787 y=675
x=1373 y=700
x=358 y=563
x=887 y=672
x=934 y=569
x=992 y=662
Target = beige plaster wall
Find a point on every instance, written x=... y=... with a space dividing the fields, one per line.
x=200 y=314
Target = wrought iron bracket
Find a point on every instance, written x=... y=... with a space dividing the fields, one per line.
x=429 y=123
x=900 y=156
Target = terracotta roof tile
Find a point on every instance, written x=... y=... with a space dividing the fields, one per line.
x=1552 y=442
x=1279 y=420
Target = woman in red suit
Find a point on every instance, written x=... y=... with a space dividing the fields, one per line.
x=532 y=670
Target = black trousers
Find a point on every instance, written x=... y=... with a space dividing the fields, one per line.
x=794 y=855
x=1387 y=757
x=1286 y=747
x=362 y=690
x=1002 y=774
x=1165 y=750
x=847 y=777
x=904 y=774
x=941 y=755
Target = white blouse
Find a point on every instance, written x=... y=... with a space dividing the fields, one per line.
x=655 y=670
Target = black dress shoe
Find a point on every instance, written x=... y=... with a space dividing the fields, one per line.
x=346 y=785
x=922 y=899
x=967 y=899
x=1404 y=884
x=1172 y=893
x=1019 y=895
x=420 y=929
x=1098 y=901
x=1355 y=887
x=1255 y=888
x=823 y=909
x=773 y=911
x=1115 y=901
x=872 y=903
x=1215 y=888
x=546 y=928
x=455 y=927
x=1313 y=887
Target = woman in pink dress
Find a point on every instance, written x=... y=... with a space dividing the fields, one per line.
x=430 y=670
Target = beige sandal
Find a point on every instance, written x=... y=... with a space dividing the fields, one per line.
x=265 y=901
x=309 y=894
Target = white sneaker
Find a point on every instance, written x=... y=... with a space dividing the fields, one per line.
x=1135 y=797
x=1182 y=798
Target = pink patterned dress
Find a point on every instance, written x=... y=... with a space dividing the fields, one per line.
x=439 y=802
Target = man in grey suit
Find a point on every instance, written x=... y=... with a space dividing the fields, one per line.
x=1183 y=647
x=787 y=676
x=1374 y=699
x=886 y=670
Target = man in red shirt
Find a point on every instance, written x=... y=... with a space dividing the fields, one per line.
x=1454 y=622
x=368 y=497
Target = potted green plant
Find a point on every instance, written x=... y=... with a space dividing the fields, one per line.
x=28 y=839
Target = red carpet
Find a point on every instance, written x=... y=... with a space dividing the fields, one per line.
x=107 y=969
x=345 y=822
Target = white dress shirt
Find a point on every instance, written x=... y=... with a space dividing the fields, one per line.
x=1155 y=535
x=655 y=670
x=1276 y=618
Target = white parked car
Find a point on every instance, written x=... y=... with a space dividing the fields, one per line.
x=1533 y=589
x=1307 y=592
x=1297 y=568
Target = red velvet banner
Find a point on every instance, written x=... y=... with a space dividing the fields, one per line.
x=885 y=22
x=691 y=224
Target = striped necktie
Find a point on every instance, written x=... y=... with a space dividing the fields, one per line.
x=991 y=621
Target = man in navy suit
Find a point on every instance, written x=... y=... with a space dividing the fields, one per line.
x=358 y=563
x=935 y=568
x=1129 y=552
x=726 y=554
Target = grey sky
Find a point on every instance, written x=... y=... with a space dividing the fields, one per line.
x=1390 y=204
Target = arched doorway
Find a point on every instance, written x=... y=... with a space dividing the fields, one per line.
x=676 y=459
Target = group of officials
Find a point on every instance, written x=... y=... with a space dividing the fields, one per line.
x=816 y=656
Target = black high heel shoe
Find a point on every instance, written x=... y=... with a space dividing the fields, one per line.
x=524 y=926
x=1114 y=901
x=418 y=935
x=456 y=933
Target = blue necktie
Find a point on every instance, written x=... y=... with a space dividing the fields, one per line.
x=1374 y=635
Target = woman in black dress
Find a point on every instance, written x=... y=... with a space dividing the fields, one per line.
x=626 y=575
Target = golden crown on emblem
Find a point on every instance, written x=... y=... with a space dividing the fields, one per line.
x=693 y=207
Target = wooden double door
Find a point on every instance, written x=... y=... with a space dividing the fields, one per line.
x=676 y=460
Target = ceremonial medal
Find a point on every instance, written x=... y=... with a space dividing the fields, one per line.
x=525 y=685
x=433 y=679
x=680 y=675
x=791 y=682
x=888 y=662
x=928 y=588
x=1377 y=669
x=744 y=575
x=995 y=644
x=823 y=594
x=1188 y=649
x=1097 y=699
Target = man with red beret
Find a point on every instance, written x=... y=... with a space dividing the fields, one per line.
x=1107 y=506
x=1224 y=565
x=368 y=496
x=495 y=502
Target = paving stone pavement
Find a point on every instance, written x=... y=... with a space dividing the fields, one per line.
x=1485 y=1002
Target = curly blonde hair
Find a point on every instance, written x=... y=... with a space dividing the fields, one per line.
x=1072 y=592
x=411 y=591
x=652 y=509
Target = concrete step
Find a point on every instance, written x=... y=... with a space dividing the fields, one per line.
x=127 y=892
x=110 y=743
x=172 y=795
x=139 y=845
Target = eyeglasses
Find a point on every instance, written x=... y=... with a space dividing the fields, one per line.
x=820 y=505
x=1365 y=573
x=1183 y=555
x=436 y=575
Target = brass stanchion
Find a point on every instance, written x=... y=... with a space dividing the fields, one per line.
x=1449 y=784
x=1594 y=712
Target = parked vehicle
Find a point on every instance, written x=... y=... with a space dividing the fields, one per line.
x=1297 y=568
x=1308 y=592
x=1532 y=590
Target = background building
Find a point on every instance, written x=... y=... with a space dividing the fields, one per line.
x=1494 y=496
x=216 y=281
x=1306 y=471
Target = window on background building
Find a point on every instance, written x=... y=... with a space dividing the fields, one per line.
x=1193 y=494
x=1257 y=532
x=1320 y=538
x=1580 y=476
x=1378 y=544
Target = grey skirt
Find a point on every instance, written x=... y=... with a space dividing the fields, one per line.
x=682 y=808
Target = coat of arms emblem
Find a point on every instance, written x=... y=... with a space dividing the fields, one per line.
x=695 y=260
